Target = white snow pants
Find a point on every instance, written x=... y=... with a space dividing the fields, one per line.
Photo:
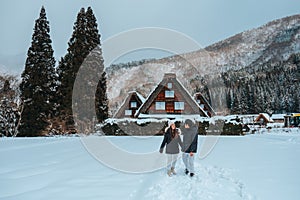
x=172 y=158
x=188 y=162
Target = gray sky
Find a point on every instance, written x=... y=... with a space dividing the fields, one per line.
x=206 y=21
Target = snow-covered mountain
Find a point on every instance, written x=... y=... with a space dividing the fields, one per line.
x=274 y=41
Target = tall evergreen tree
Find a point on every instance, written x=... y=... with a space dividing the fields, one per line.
x=101 y=101
x=92 y=33
x=84 y=40
x=70 y=64
x=93 y=38
x=38 y=81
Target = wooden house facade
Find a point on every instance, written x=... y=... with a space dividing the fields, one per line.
x=131 y=104
x=169 y=98
x=203 y=103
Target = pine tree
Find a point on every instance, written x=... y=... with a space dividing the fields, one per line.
x=93 y=37
x=101 y=102
x=70 y=64
x=9 y=114
x=84 y=50
x=38 y=81
x=92 y=33
x=251 y=104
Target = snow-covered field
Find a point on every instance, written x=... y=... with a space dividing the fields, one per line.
x=261 y=166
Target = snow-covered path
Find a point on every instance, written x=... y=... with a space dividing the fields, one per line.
x=210 y=183
x=241 y=168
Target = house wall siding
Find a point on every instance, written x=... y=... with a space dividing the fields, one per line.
x=170 y=109
x=127 y=106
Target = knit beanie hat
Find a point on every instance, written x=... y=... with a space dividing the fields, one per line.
x=170 y=122
x=189 y=122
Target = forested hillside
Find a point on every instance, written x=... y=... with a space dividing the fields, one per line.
x=272 y=87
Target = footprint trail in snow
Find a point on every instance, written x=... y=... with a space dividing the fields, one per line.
x=209 y=183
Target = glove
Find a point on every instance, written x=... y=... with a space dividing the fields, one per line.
x=191 y=154
x=161 y=150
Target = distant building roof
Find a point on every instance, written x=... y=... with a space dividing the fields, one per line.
x=133 y=96
x=278 y=116
x=204 y=104
x=265 y=116
x=245 y=119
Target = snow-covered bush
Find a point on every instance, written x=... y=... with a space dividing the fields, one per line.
x=9 y=117
x=136 y=127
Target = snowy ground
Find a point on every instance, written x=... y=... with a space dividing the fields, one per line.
x=262 y=166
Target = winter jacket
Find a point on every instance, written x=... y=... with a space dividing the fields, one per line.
x=172 y=143
x=190 y=139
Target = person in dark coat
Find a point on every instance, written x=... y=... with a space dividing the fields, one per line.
x=190 y=143
x=172 y=141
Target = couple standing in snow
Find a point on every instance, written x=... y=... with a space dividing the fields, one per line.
x=172 y=141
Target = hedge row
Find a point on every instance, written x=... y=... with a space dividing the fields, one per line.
x=157 y=128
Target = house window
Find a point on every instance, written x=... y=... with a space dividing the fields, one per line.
x=160 y=105
x=169 y=93
x=133 y=104
x=170 y=85
x=128 y=112
x=179 y=105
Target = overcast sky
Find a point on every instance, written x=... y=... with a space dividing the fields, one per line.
x=206 y=21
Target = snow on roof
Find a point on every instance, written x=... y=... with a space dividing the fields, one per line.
x=138 y=121
x=266 y=116
x=137 y=114
x=278 y=116
x=124 y=101
x=140 y=97
x=245 y=119
x=210 y=107
x=138 y=110
x=193 y=99
x=138 y=94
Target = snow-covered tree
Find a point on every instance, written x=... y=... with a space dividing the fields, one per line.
x=101 y=102
x=9 y=117
x=84 y=40
x=93 y=38
x=9 y=114
x=92 y=33
x=38 y=81
x=70 y=64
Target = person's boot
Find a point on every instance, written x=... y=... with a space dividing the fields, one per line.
x=186 y=171
x=173 y=170
x=169 y=172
